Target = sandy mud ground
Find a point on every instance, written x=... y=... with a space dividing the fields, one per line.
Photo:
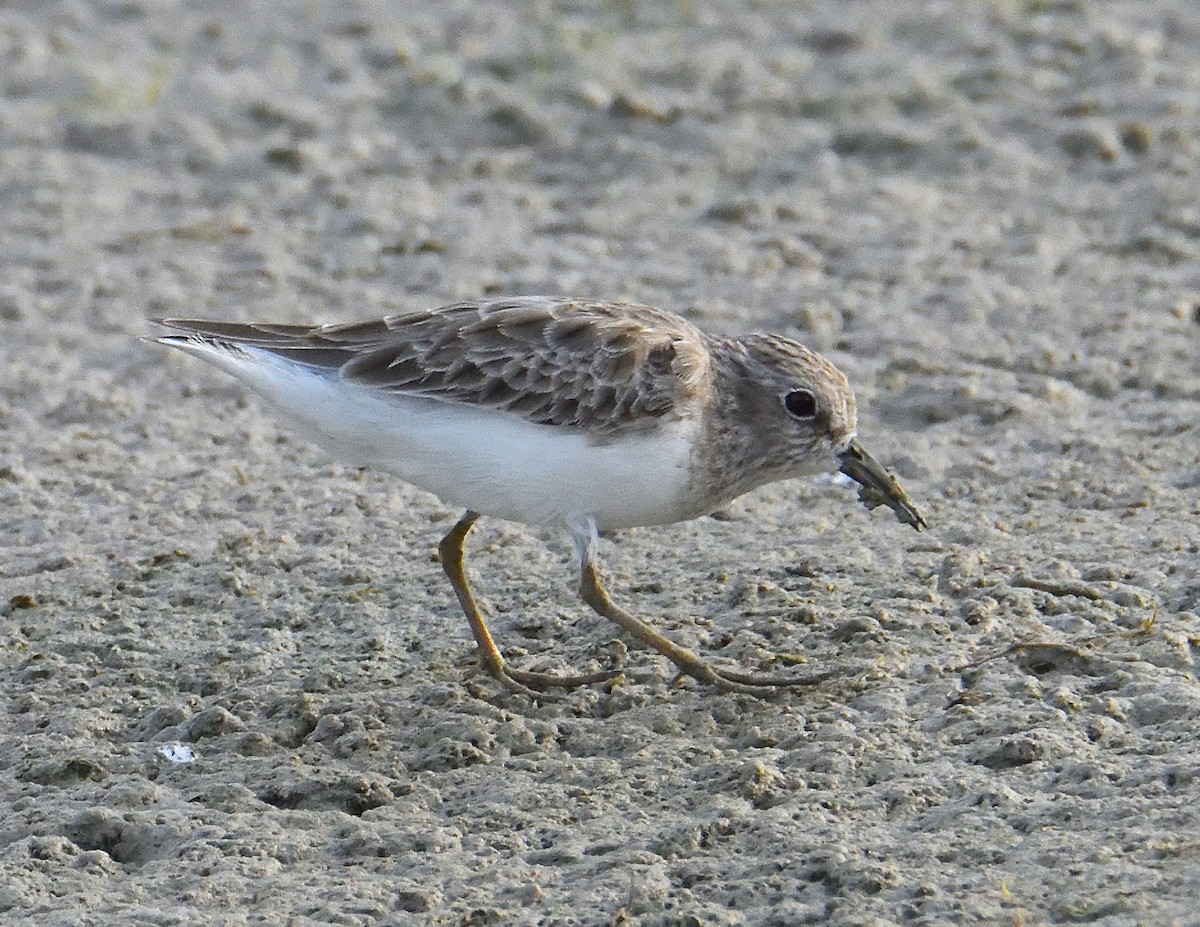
x=988 y=214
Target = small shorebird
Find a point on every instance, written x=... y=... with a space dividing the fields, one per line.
x=590 y=415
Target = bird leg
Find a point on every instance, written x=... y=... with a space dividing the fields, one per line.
x=596 y=596
x=452 y=553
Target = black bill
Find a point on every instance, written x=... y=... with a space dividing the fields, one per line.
x=877 y=486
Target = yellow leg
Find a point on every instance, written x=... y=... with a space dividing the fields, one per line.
x=596 y=596
x=452 y=554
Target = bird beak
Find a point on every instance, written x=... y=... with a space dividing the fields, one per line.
x=877 y=486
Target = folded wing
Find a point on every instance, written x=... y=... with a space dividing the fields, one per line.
x=593 y=365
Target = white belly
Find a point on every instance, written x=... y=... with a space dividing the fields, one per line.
x=475 y=458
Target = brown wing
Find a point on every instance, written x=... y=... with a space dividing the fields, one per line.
x=597 y=365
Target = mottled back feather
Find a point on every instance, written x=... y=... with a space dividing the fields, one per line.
x=604 y=366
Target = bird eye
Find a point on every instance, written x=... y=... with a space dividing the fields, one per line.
x=801 y=403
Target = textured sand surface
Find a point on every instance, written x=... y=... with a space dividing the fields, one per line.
x=987 y=214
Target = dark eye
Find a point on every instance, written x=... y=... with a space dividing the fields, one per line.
x=801 y=403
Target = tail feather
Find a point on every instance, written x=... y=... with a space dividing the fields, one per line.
x=217 y=341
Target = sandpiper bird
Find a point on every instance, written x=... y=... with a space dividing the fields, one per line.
x=590 y=415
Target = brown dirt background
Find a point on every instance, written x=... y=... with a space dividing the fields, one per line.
x=987 y=214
